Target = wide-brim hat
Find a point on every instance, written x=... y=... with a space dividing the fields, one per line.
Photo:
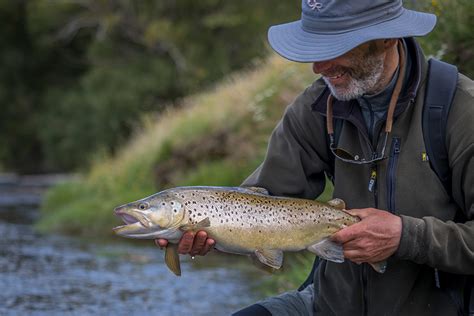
x=330 y=28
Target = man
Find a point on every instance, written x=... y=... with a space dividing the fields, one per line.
x=373 y=84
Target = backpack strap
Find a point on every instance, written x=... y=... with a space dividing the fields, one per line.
x=439 y=95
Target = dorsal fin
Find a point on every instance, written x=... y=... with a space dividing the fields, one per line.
x=337 y=203
x=257 y=190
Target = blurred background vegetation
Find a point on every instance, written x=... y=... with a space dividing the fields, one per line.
x=138 y=96
x=77 y=75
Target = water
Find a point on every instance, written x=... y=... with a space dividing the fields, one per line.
x=57 y=275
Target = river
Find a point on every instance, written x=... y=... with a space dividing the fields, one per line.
x=58 y=275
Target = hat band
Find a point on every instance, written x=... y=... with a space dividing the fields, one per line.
x=344 y=24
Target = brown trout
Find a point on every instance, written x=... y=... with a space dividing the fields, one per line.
x=240 y=220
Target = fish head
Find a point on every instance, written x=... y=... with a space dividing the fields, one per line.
x=152 y=217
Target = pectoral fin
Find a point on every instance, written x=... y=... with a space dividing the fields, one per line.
x=328 y=250
x=172 y=259
x=261 y=265
x=380 y=267
x=195 y=227
x=270 y=257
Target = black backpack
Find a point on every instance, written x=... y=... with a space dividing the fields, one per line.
x=440 y=91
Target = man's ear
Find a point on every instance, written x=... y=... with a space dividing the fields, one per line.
x=390 y=42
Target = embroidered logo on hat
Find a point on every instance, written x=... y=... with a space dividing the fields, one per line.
x=315 y=5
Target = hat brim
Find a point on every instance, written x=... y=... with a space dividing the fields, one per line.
x=293 y=43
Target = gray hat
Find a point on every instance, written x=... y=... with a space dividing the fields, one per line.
x=330 y=28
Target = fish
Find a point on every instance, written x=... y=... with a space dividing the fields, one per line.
x=242 y=220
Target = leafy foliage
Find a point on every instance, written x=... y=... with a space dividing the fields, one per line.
x=77 y=75
x=452 y=39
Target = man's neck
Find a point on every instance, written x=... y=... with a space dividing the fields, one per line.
x=390 y=66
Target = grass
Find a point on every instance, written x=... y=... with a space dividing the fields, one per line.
x=215 y=138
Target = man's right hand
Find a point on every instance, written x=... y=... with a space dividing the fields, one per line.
x=194 y=244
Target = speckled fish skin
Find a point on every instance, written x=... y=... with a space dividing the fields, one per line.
x=240 y=220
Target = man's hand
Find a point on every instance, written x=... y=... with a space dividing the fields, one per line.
x=375 y=238
x=193 y=244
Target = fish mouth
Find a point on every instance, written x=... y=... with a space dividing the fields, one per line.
x=127 y=218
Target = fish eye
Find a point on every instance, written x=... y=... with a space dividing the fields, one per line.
x=143 y=206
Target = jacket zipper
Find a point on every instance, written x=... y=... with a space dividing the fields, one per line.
x=365 y=267
x=392 y=168
x=365 y=307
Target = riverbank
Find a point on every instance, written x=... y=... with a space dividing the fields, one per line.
x=58 y=275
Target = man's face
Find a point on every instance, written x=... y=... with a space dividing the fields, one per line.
x=359 y=71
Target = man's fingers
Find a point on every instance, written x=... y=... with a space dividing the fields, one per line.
x=207 y=247
x=361 y=213
x=186 y=243
x=161 y=242
x=353 y=245
x=199 y=242
x=191 y=243
x=355 y=255
x=345 y=234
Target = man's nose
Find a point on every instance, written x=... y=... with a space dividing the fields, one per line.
x=321 y=66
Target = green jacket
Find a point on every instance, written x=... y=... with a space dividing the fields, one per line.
x=298 y=158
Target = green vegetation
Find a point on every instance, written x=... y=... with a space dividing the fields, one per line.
x=215 y=138
x=122 y=91
x=78 y=75
x=452 y=38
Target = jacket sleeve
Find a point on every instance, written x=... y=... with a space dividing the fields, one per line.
x=449 y=246
x=295 y=162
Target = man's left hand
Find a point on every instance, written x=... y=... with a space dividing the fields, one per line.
x=375 y=238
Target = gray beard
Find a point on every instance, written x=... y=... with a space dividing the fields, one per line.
x=364 y=82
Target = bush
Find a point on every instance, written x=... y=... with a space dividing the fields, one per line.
x=452 y=39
